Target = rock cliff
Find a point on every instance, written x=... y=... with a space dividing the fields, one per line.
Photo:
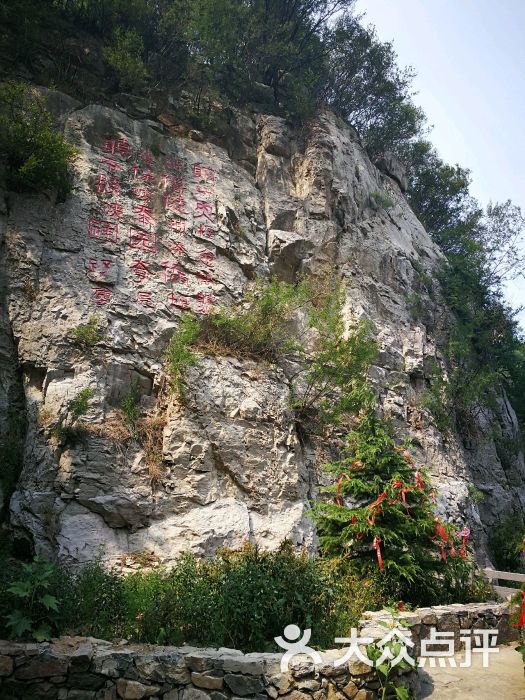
x=162 y=220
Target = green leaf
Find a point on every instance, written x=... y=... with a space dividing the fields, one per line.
x=22 y=589
x=18 y=623
x=402 y=693
x=42 y=633
x=50 y=602
x=384 y=669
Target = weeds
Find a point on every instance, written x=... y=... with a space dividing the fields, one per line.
x=87 y=335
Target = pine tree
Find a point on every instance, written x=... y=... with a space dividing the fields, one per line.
x=382 y=521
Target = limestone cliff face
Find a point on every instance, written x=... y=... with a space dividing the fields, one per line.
x=158 y=223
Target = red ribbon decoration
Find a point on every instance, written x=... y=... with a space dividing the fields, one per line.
x=398 y=484
x=339 y=484
x=420 y=484
x=464 y=534
x=376 y=544
x=375 y=509
x=443 y=536
x=521 y=621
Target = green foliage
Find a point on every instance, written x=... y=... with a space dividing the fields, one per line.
x=365 y=84
x=476 y=495
x=335 y=378
x=34 y=607
x=382 y=200
x=260 y=327
x=87 y=335
x=179 y=356
x=79 y=405
x=130 y=406
x=124 y=56
x=387 y=671
x=380 y=501
x=68 y=428
x=239 y=599
x=36 y=155
x=506 y=542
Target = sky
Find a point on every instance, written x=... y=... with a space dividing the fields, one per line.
x=469 y=56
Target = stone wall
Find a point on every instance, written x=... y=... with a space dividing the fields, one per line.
x=82 y=668
x=446 y=618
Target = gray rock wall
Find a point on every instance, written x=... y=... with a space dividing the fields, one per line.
x=160 y=223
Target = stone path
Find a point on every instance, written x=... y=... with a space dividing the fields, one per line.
x=502 y=680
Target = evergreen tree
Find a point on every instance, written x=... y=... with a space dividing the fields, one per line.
x=382 y=521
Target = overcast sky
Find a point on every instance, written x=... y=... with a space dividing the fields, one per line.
x=470 y=60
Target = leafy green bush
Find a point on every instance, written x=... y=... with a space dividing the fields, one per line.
x=241 y=599
x=34 y=607
x=68 y=428
x=335 y=376
x=260 y=326
x=87 y=335
x=37 y=157
x=125 y=58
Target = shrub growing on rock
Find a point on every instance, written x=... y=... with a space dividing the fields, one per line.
x=37 y=156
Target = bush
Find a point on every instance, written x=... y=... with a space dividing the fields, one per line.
x=68 y=428
x=124 y=56
x=130 y=406
x=37 y=156
x=260 y=327
x=87 y=335
x=240 y=599
x=382 y=200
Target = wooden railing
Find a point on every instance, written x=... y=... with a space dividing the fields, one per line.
x=496 y=576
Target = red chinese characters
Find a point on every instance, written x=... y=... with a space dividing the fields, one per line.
x=99 y=266
x=145 y=299
x=120 y=146
x=207 y=257
x=102 y=230
x=177 y=226
x=173 y=272
x=140 y=270
x=143 y=214
x=204 y=210
x=206 y=231
x=112 y=209
x=142 y=239
x=205 y=301
x=102 y=295
x=178 y=300
x=200 y=172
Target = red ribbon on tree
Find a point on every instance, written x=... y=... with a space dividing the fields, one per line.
x=420 y=484
x=443 y=536
x=521 y=620
x=398 y=484
x=375 y=509
x=376 y=544
x=464 y=534
x=342 y=478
